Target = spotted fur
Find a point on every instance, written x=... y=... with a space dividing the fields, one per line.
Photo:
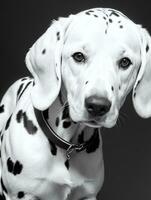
x=29 y=158
x=28 y=124
x=19 y=96
x=20 y=89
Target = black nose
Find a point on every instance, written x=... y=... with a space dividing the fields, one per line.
x=97 y=106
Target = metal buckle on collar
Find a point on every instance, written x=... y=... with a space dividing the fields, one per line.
x=72 y=148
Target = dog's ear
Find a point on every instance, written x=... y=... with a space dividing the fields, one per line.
x=142 y=86
x=44 y=62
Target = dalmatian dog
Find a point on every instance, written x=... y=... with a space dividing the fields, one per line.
x=82 y=67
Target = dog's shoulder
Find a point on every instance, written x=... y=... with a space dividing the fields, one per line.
x=14 y=96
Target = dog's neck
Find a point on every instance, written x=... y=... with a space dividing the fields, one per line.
x=62 y=124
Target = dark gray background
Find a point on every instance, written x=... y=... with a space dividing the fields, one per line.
x=127 y=147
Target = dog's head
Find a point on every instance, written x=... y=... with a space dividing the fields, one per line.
x=100 y=55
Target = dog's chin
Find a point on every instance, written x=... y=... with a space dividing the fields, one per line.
x=94 y=124
x=106 y=123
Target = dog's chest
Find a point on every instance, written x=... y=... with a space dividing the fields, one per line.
x=30 y=160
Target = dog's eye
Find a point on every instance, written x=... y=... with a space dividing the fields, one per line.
x=124 y=63
x=79 y=57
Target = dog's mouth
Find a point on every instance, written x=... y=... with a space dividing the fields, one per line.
x=108 y=120
x=93 y=124
x=100 y=122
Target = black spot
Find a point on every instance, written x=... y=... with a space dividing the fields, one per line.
x=2 y=197
x=119 y=87
x=66 y=124
x=43 y=51
x=7 y=123
x=53 y=148
x=10 y=165
x=110 y=20
x=20 y=195
x=14 y=168
x=87 y=13
x=104 y=18
x=23 y=79
x=112 y=88
x=67 y=164
x=95 y=142
x=134 y=94
x=46 y=114
x=2 y=108
x=114 y=13
x=17 y=168
x=86 y=82
x=28 y=124
x=147 y=48
x=91 y=11
x=33 y=83
x=81 y=138
x=3 y=186
x=24 y=89
x=65 y=113
x=95 y=15
x=121 y=26
x=19 y=116
x=119 y=21
x=1 y=137
x=106 y=31
x=58 y=35
x=57 y=121
x=60 y=98
x=20 y=88
x=138 y=83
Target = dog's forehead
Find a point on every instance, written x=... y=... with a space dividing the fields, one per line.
x=101 y=24
x=106 y=14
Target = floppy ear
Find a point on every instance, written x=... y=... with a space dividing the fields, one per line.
x=142 y=87
x=44 y=62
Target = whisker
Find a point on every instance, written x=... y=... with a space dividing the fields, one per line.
x=121 y=118
x=124 y=114
x=118 y=124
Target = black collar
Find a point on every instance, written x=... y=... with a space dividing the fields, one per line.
x=50 y=134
